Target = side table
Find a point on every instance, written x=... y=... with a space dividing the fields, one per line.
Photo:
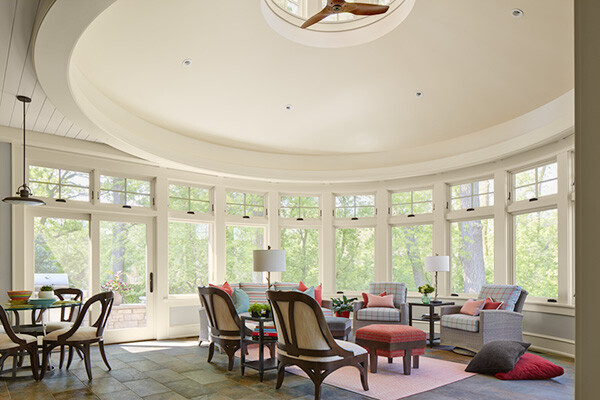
x=261 y=365
x=431 y=319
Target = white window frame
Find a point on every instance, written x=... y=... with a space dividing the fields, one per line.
x=300 y=208
x=150 y=180
x=245 y=217
x=412 y=202
x=538 y=197
x=355 y=207
x=471 y=196
x=63 y=168
x=211 y=204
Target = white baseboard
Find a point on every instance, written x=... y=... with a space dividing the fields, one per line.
x=550 y=344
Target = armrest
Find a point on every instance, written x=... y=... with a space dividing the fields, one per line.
x=403 y=307
x=500 y=317
x=358 y=305
x=327 y=304
x=447 y=310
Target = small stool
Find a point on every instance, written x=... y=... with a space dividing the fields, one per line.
x=392 y=341
x=340 y=327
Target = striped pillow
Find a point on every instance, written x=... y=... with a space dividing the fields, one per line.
x=257 y=292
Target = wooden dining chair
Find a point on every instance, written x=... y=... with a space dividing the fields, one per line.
x=81 y=337
x=13 y=345
x=67 y=316
x=304 y=340
x=223 y=321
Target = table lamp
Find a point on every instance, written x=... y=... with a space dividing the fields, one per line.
x=437 y=264
x=269 y=261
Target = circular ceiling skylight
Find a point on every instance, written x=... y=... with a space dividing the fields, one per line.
x=337 y=30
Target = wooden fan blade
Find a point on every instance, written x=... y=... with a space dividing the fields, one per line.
x=365 y=9
x=324 y=13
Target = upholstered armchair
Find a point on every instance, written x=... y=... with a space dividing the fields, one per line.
x=471 y=333
x=364 y=316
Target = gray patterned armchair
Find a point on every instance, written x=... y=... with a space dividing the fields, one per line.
x=380 y=315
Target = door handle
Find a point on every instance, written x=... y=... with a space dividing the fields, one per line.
x=151 y=282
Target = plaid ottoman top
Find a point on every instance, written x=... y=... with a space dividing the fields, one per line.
x=390 y=333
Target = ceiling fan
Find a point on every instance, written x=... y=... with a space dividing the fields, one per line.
x=341 y=6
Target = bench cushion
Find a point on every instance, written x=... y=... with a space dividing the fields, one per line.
x=338 y=323
x=378 y=314
x=390 y=333
x=461 y=321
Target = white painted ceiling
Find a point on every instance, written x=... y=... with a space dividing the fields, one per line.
x=17 y=75
x=476 y=64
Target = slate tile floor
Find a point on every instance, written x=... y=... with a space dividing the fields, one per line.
x=177 y=369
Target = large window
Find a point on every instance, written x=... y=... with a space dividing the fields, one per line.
x=410 y=246
x=355 y=258
x=472 y=250
x=189 y=247
x=62 y=246
x=59 y=183
x=301 y=255
x=189 y=198
x=471 y=195
x=536 y=182
x=412 y=203
x=240 y=241
x=536 y=252
x=355 y=206
x=300 y=207
x=245 y=204
x=124 y=191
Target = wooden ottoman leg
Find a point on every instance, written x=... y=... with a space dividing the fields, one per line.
x=373 y=360
x=390 y=360
x=406 y=361
x=416 y=362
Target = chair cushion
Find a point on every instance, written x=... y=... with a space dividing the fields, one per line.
x=353 y=347
x=461 y=321
x=390 y=333
x=396 y=288
x=83 y=333
x=6 y=343
x=497 y=356
x=378 y=314
x=54 y=326
x=508 y=294
x=257 y=292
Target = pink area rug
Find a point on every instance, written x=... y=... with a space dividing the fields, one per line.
x=389 y=383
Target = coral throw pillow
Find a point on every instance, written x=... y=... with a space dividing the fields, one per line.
x=472 y=307
x=366 y=298
x=318 y=292
x=531 y=366
x=380 y=301
x=226 y=287
x=490 y=304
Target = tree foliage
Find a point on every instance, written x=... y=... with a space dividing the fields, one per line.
x=302 y=255
x=188 y=257
x=410 y=246
x=240 y=241
x=355 y=258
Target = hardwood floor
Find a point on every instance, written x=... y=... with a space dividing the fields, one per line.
x=177 y=369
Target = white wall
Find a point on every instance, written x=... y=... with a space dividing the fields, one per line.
x=6 y=189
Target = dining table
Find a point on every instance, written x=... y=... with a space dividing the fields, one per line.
x=36 y=327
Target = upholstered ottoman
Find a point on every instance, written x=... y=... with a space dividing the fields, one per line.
x=340 y=327
x=392 y=341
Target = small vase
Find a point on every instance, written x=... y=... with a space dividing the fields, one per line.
x=425 y=298
x=46 y=294
x=118 y=299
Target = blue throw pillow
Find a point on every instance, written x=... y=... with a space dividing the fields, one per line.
x=241 y=301
x=310 y=291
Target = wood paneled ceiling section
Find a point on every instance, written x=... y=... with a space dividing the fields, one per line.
x=17 y=75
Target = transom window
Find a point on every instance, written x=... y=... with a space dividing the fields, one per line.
x=300 y=207
x=245 y=204
x=124 y=191
x=59 y=183
x=536 y=182
x=189 y=198
x=413 y=202
x=355 y=206
x=468 y=196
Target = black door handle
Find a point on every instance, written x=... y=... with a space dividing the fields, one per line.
x=151 y=282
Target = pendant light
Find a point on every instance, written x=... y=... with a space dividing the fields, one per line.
x=24 y=192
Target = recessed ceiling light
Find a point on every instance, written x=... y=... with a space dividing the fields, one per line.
x=516 y=13
x=419 y=93
x=288 y=107
x=187 y=62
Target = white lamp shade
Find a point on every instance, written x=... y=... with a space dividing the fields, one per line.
x=269 y=260
x=437 y=263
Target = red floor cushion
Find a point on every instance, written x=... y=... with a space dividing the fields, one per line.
x=531 y=366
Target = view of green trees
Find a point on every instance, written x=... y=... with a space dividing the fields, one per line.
x=536 y=252
x=62 y=246
x=299 y=207
x=189 y=245
x=410 y=246
x=472 y=255
x=189 y=198
x=355 y=258
x=240 y=241
x=59 y=183
x=302 y=255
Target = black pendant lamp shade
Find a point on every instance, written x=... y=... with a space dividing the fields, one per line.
x=24 y=192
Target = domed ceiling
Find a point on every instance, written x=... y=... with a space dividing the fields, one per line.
x=211 y=86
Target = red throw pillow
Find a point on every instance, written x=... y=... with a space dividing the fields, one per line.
x=531 y=366
x=366 y=298
x=226 y=287
x=318 y=291
x=490 y=304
